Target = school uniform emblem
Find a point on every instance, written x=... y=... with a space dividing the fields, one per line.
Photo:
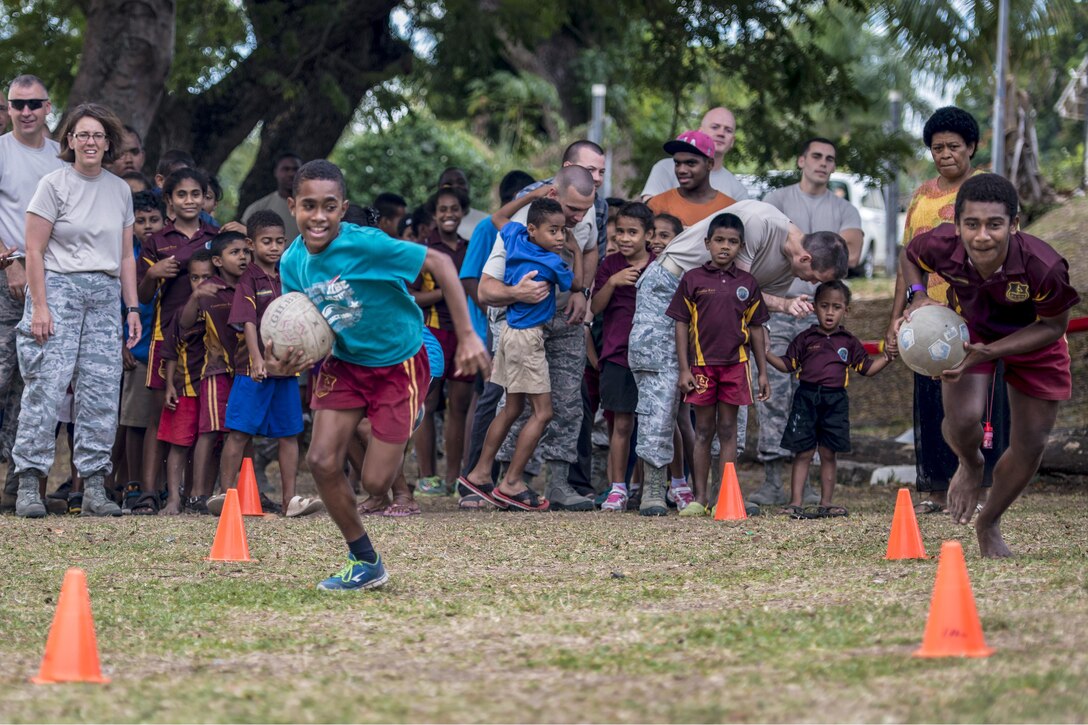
x=1017 y=292
x=843 y=354
x=742 y=293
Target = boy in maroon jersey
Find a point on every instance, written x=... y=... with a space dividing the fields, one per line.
x=822 y=356
x=717 y=307
x=183 y=353
x=1013 y=290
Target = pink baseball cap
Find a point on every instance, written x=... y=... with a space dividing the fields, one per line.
x=692 y=142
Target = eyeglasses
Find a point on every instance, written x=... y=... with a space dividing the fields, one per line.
x=32 y=103
x=85 y=136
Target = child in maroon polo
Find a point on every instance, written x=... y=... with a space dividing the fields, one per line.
x=822 y=356
x=717 y=308
x=614 y=295
x=1013 y=290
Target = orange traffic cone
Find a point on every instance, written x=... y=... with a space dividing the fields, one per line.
x=71 y=651
x=905 y=541
x=249 y=497
x=730 y=505
x=230 y=537
x=953 y=629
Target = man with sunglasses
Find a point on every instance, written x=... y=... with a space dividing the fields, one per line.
x=26 y=155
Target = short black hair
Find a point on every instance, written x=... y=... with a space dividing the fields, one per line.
x=462 y=198
x=828 y=251
x=988 y=188
x=817 y=139
x=572 y=151
x=364 y=216
x=638 y=211
x=725 y=221
x=541 y=209
x=512 y=183
x=388 y=204
x=222 y=240
x=320 y=170
x=148 y=201
x=137 y=176
x=214 y=186
x=419 y=217
x=674 y=222
x=263 y=219
x=285 y=155
x=614 y=202
x=171 y=160
x=184 y=174
x=201 y=255
x=951 y=119
x=836 y=285
x=134 y=132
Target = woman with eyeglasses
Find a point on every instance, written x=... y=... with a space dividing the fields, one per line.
x=79 y=265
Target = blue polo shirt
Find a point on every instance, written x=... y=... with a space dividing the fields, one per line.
x=522 y=257
x=479 y=247
x=359 y=282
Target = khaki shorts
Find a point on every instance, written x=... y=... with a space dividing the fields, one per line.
x=520 y=364
x=137 y=400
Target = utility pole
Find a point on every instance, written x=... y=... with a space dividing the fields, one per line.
x=596 y=132
x=891 y=195
x=999 y=95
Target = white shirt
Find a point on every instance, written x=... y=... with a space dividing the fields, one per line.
x=469 y=221
x=21 y=168
x=663 y=177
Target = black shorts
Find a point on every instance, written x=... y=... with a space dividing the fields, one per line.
x=820 y=416
x=619 y=393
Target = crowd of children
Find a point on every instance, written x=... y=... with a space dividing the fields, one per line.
x=200 y=390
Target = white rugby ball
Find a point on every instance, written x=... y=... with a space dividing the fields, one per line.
x=932 y=341
x=291 y=320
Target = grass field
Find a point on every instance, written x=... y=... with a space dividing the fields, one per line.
x=553 y=617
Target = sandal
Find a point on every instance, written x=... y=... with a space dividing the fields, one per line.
x=794 y=512
x=830 y=512
x=928 y=506
x=474 y=502
x=146 y=505
x=402 y=509
x=486 y=492
x=527 y=500
x=367 y=508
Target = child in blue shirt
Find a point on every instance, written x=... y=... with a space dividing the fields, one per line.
x=520 y=365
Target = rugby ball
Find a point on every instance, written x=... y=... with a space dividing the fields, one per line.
x=291 y=320
x=932 y=340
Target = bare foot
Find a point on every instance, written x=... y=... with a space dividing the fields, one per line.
x=373 y=505
x=172 y=507
x=513 y=489
x=990 y=542
x=963 y=490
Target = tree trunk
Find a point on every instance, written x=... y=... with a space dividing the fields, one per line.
x=128 y=47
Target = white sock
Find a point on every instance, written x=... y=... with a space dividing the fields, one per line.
x=621 y=486
x=678 y=482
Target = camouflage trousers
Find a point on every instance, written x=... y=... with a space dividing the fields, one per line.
x=565 y=350
x=11 y=382
x=773 y=413
x=85 y=350
x=651 y=353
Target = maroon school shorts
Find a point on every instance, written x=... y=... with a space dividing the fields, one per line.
x=720 y=384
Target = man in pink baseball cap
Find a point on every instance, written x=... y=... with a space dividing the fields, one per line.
x=693 y=158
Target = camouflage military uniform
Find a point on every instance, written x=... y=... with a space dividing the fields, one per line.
x=84 y=350
x=11 y=382
x=565 y=349
x=651 y=353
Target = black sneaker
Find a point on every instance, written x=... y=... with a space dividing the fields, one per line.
x=269 y=506
x=197 y=505
x=75 y=504
x=62 y=491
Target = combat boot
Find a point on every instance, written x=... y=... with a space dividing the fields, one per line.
x=28 y=501
x=653 y=494
x=562 y=497
x=95 y=500
x=771 y=492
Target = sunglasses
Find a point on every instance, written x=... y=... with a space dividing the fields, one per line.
x=32 y=103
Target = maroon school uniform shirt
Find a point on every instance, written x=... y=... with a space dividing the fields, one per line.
x=619 y=314
x=437 y=316
x=1033 y=282
x=719 y=306
x=172 y=293
x=221 y=340
x=826 y=359
x=254 y=292
x=187 y=347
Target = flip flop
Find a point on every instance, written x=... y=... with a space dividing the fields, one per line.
x=928 y=506
x=365 y=510
x=794 y=512
x=401 y=510
x=486 y=492
x=527 y=500
x=830 y=512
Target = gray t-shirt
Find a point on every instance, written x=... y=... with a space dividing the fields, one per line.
x=663 y=177
x=824 y=213
x=274 y=202
x=89 y=215
x=765 y=233
x=21 y=168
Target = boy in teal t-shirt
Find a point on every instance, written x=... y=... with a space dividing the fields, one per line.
x=378 y=369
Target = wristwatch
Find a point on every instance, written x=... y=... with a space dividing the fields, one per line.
x=129 y=310
x=914 y=289
x=586 y=292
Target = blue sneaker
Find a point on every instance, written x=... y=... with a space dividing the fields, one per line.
x=356 y=575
